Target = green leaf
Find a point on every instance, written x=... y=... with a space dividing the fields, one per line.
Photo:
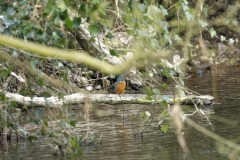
x=177 y=38
x=40 y=82
x=165 y=73
x=57 y=21
x=189 y=16
x=109 y=35
x=163 y=112
x=2 y=97
x=156 y=91
x=164 y=128
x=155 y=71
x=154 y=43
x=15 y=54
x=73 y=123
x=69 y=23
x=153 y=12
x=8 y=22
x=76 y=22
x=61 y=5
x=164 y=86
x=165 y=98
x=60 y=95
x=113 y=52
x=66 y=78
x=94 y=30
x=164 y=103
x=11 y=11
x=164 y=11
x=34 y=63
x=168 y=38
x=141 y=7
x=45 y=94
x=213 y=33
x=45 y=123
x=145 y=115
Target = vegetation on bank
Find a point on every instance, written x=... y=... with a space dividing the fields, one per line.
x=54 y=48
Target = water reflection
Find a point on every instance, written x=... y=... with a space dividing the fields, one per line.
x=126 y=142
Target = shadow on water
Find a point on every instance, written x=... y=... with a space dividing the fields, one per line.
x=126 y=142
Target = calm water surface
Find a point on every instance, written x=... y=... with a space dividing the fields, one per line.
x=120 y=142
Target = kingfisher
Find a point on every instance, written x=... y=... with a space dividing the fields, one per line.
x=120 y=85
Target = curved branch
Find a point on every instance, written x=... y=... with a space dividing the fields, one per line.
x=80 y=56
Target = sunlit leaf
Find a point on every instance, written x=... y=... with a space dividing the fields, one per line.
x=231 y=41
x=150 y=74
x=223 y=38
x=141 y=7
x=177 y=38
x=25 y=133
x=203 y=24
x=168 y=38
x=91 y=135
x=189 y=15
x=15 y=54
x=185 y=1
x=145 y=115
x=156 y=91
x=153 y=12
x=165 y=98
x=154 y=43
x=164 y=128
x=154 y=71
x=232 y=61
x=164 y=11
x=213 y=33
x=61 y=5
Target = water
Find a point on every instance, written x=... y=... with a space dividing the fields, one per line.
x=118 y=142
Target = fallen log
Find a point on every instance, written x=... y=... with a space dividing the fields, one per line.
x=79 y=98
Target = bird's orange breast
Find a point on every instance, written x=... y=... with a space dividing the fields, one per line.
x=121 y=87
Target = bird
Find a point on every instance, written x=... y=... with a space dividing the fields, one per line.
x=120 y=85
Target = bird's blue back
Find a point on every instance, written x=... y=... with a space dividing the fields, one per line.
x=120 y=78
